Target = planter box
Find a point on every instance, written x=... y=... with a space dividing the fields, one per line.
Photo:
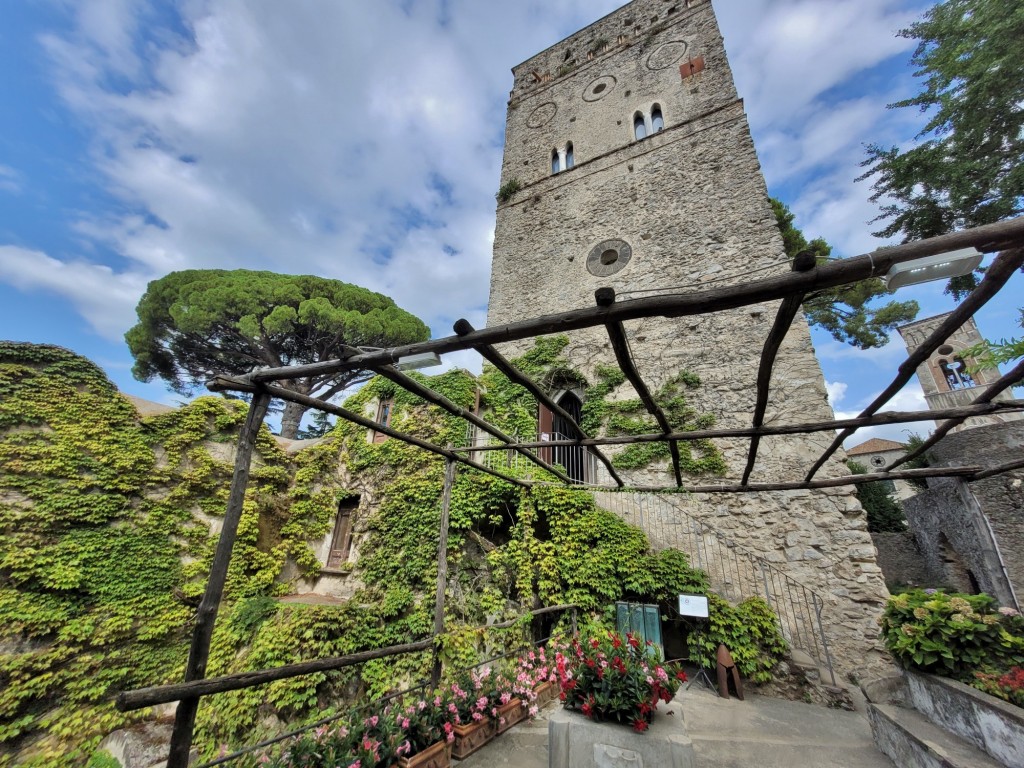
x=469 y=738
x=545 y=693
x=510 y=714
x=991 y=724
x=575 y=741
x=435 y=756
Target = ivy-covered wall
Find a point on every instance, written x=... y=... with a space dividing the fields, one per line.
x=106 y=534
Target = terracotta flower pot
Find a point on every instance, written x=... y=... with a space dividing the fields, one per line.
x=545 y=693
x=510 y=714
x=469 y=738
x=437 y=755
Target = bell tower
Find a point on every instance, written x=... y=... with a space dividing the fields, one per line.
x=629 y=164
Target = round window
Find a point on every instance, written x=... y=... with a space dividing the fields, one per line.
x=877 y=461
x=608 y=257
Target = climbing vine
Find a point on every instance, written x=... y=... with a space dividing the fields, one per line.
x=108 y=523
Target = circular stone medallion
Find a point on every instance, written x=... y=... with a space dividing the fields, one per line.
x=542 y=114
x=608 y=257
x=599 y=88
x=667 y=54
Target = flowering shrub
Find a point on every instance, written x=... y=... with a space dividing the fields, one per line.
x=1009 y=686
x=953 y=635
x=610 y=677
x=378 y=739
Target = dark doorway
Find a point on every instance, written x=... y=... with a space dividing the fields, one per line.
x=569 y=456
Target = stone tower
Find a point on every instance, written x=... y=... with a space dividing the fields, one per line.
x=634 y=168
x=946 y=376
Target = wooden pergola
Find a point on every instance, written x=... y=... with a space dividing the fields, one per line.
x=1006 y=238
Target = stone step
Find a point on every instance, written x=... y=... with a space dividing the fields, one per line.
x=914 y=741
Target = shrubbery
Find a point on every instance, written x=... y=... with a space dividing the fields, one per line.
x=965 y=637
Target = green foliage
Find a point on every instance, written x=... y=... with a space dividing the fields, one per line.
x=989 y=355
x=915 y=441
x=198 y=323
x=749 y=630
x=952 y=635
x=104 y=546
x=102 y=760
x=883 y=511
x=844 y=311
x=967 y=168
x=508 y=189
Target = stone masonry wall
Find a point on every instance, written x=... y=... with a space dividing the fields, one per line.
x=982 y=521
x=691 y=204
x=902 y=562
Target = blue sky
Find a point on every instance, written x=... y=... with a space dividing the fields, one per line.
x=362 y=141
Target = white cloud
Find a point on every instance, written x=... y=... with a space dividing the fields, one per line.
x=836 y=391
x=105 y=299
x=910 y=398
x=10 y=180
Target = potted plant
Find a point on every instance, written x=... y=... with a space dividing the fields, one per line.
x=429 y=734
x=608 y=677
x=468 y=704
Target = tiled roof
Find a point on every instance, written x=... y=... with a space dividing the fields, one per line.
x=876 y=445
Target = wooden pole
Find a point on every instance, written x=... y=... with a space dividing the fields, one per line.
x=995 y=278
x=987 y=238
x=442 y=570
x=997 y=470
x=226 y=383
x=605 y=297
x=162 y=694
x=199 y=653
x=783 y=320
x=495 y=358
x=411 y=385
x=886 y=417
x=995 y=388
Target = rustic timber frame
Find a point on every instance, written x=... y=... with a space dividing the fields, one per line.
x=1007 y=238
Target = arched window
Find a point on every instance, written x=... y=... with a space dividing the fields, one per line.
x=554 y=161
x=570 y=160
x=657 y=121
x=639 y=129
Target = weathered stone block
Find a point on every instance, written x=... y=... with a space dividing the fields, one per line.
x=575 y=741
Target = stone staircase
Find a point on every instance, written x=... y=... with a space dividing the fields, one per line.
x=923 y=721
x=733 y=572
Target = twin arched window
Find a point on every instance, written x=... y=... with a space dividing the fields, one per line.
x=642 y=128
x=562 y=159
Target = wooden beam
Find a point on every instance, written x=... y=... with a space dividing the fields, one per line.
x=802 y=485
x=435 y=398
x=840 y=272
x=783 y=320
x=995 y=388
x=127 y=701
x=886 y=417
x=995 y=278
x=224 y=383
x=206 y=617
x=442 y=568
x=495 y=358
x=997 y=470
x=605 y=297
x=163 y=694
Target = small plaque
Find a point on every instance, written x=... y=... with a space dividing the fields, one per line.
x=607 y=756
x=693 y=605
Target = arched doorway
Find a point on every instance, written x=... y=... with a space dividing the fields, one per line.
x=569 y=456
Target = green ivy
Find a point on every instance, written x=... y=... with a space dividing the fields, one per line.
x=105 y=543
x=750 y=630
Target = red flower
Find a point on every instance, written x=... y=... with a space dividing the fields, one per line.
x=617 y=642
x=561 y=696
x=681 y=676
x=586 y=709
x=633 y=641
x=640 y=725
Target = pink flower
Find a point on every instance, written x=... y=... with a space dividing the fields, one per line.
x=534 y=710
x=356 y=764
x=403 y=722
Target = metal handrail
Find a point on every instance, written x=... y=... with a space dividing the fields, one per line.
x=732 y=571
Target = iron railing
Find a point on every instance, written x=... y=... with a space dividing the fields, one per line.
x=733 y=572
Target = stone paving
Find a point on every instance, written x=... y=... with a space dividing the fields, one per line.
x=768 y=733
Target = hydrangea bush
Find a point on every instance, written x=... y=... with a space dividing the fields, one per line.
x=965 y=637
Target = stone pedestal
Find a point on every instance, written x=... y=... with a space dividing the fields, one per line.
x=575 y=741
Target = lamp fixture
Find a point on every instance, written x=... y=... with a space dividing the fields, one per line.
x=928 y=268
x=415 y=362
